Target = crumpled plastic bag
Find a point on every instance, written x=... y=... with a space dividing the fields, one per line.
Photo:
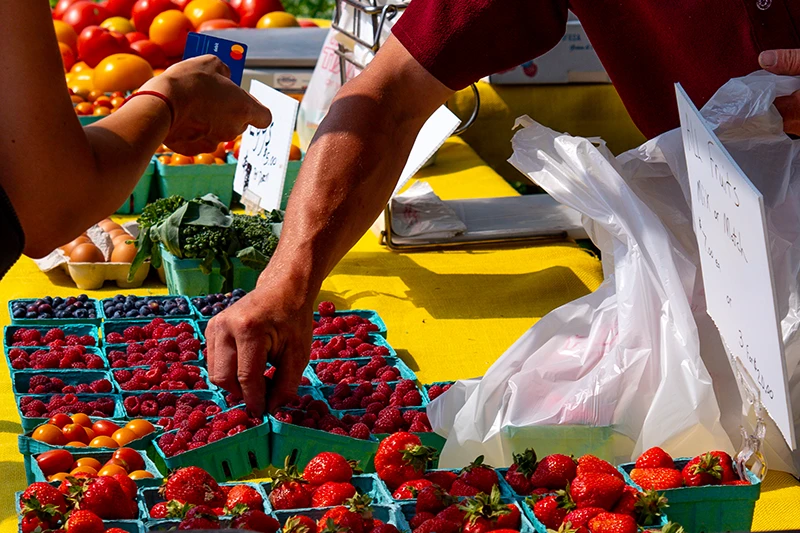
x=418 y=211
x=630 y=366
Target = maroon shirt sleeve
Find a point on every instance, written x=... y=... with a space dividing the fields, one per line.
x=461 y=41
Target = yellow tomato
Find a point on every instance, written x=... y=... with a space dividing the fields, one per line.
x=140 y=426
x=66 y=34
x=110 y=470
x=200 y=11
x=204 y=159
x=82 y=419
x=169 y=30
x=82 y=83
x=91 y=462
x=118 y=24
x=80 y=66
x=121 y=72
x=123 y=436
x=86 y=469
x=61 y=476
x=277 y=19
x=140 y=474
x=103 y=442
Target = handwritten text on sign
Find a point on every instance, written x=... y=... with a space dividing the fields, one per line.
x=730 y=226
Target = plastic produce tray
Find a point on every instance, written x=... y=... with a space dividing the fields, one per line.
x=389 y=514
x=27 y=445
x=506 y=493
x=408 y=510
x=405 y=372
x=33 y=473
x=21 y=379
x=711 y=508
x=190 y=315
x=54 y=322
x=76 y=328
x=191 y=181
x=131 y=526
x=183 y=276
x=150 y=496
x=370 y=315
x=368 y=484
x=28 y=424
x=119 y=326
x=31 y=349
x=427 y=386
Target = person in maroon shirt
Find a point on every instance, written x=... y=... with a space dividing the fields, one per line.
x=440 y=46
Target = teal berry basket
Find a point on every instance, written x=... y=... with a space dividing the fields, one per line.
x=203 y=376
x=713 y=508
x=200 y=361
x=228 y=458
x=55 y=322
x=20 y=380
x=79 y=329
x=375 y=340
x=148 y=497
x=426 y=388
x=389 y=514
x=28 y=446
x=408 y=509
x=30 y=423
x=327 y=392
x=31 y=349
x=183 y=276
x=214 y=396
x=405 y=372
x=114 y=326
x=506 y=494
x=191 y=181
x=370 y=315
x=368 y=484
x=33 y=473
x=138 y=198
x=189 y=315
x=130 y=526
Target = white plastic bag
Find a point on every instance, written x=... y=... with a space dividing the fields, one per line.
x=418 y=211
x=627 y=358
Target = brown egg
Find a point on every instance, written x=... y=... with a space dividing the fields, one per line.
x=123 y=253
x=121 y=238
x=86 y=253
x=107 y=224
x=117 y=231
x=67 y=248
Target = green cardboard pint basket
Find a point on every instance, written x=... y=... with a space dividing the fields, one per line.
x=191 y=181
x=185 y=277
x=138 y=198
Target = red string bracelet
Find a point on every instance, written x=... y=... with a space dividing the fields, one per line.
x=157 y=95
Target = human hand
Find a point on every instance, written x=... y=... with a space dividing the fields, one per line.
x=209 y=107
x=785 y=62
x=270 y=324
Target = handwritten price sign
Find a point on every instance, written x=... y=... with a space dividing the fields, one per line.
x=730 y=226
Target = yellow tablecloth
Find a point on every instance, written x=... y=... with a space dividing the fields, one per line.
x=450 y=314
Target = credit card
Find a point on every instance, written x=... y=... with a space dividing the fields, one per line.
x=231 y=53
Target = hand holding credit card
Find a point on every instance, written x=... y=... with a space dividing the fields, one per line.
x=231 y=53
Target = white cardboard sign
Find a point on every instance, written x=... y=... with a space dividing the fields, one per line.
x=730 y=225
x=264 y=154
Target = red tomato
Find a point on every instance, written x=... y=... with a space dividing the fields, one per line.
x=96 y=43
x=120 y=8
x=216 y=24
x=84 y=13
x=181 y=3
x=61 y=8
x=134 y=36
x=60 y=420
x=250 y=11
x=306 y=23
x=130 y=458
x=75 y=432
x=150 y=52
x=54 y=461
x=235 y=4
x=144 y=11
x=104 y=428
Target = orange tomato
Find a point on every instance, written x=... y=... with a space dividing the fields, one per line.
x=91 y=462
x=104 y=428
x=161 y=149
x=140 y=427
x=140 y=474
x=219 y=161
x=204 y=159
x=80 y=66
x=121 y=72
x=169 y=30
x=67 y=56
x=118 y=24
x=101 y=111
x=84 y=108
x=220 y=151
x=165 y=159
x=94 y=95
x=54 y=461
x=277 y=19
x=50 y=434
x=83 y=469
x=60 y=476
x=75 y=432
x=82 y=419
x=111 y=470
x=76 y=444
x=76 y=99
x=104 y=101
x=236 y=147
x=103 y=442
x=89 y=433
x=294 y=153
x=117 y=101
x=200 y=11
x=60 y=420
x=124 y=436
x=178 y=159
x=66 y=34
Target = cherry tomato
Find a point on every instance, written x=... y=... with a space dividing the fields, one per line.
x=250 y=11
x=236 y=147
x=118 y=94
x=141 y=474
x=118 y=24
x=277 y=19
x=178 y=159
x=76 y=444
x=89 y=433
x=217 y=24
x=91 y=462
x=219 y=161
x=181 y=4
x=54 y=461
x=294 y=153
x=85 y=470
x=103 y=442
x=170 y=30
x=112 y=469
x=306 y=23
x=101 y=111
x=120 y=8
x=59 y=476
x=139 y=426
x=150 y=52
x=122 y=72
x=130 y=458
x=67 y=56
x=165 y=159
x=124 y=436
x=104 y=428
x=76 y=99
x=84 y=108
x=204 y=159
x=96 y=43
x=60 y=420
x=84 y=13
x=75 y=432
x=82 y=419
x=117 y=101
x=144 y=11
x=50 y=434
x=61 y=8
x=200 y=11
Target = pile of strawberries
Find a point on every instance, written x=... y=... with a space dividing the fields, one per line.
x=355 y=516
x=434 y=391
x=185 y=348
x=475 y=479
x=197 y=430
x=437 y=512
x=330 y=324
x=340 y=347
x=192 y=495
x=41 y=384
x=68 y=404
x=71 y=357
x=157 y=329
x=172 y=408
x=655 y=469
x=324 y=482
x=355 y=372
x=53 y=338
x=161 y=376
x=374 y=399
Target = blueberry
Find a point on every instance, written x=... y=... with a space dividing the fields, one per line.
x=92 y=313
x=183 y=309
x=59 y=314
x=127 y=306
x=79 y=305
x=45 y=309
x=173 y=312
x=68 y=313
x=238 y=292
x=30 y=314
x=19 y=313
x=145 y=311
x=57 y=301
x=154 y=305
x=32 y=308
x=131 y=313
x=119 y=298
x=117 y=314
x=235 y=299
x=206 y=311
x=71 y=300
x=70 y=309
x=81 y=313
x=82 y=298
x=47 y=300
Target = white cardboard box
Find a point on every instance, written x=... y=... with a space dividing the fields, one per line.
x=573 y=60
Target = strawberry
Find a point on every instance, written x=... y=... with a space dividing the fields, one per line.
x=385 y=528
x=591 y=464
x=510 y=520
x=159 y=510
x=255 y=520
x=289 y=489
x=737 y=482
x=655 y=458
x=243 y=495
x=482 y=477
x=460 y=488
x=44 y=495
x=402 y=457
x=332 y=493
x=453 y=514
x=420 y=518
x=31 y=523
x=596 y=490
x=726 y=463
x=199 y=517
x=554 y=472
x=300 y=524
x=433 y=499
x=549 y=511
x=613 y=523
x=409 y=489
x=657 y=478
x=438 y=525
x=519 y=473
x=443 y=478
x=353 y=515
x=702 y=470
x=579 y=518
x=649 y=507
x=478 y=525
x=127 y=485
x=328 y=466
x=487 y=511
x=81 y=521
x=104 y=496
x=193 y=485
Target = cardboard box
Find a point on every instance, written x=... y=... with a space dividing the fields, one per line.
x=573 y=60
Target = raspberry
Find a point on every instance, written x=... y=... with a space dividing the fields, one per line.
x=215 y=436
x=170 y=332
x=185 y=327
x=184 y=434
x=149 y=408
x=101 y=386
x=375 y=408
x=87 y=340
x=412 y=398
x=167 y=411
x=338 y=431
x=236 y=429
x=197 y=420
x=31 y=336
x=201 y=435
x=418 y=427
x=165 y=423
x=326 y=309
x=434 y=391
x=212 y=410
x=54 y=334
x=132 y=334
x=192 y=345
x=410 y=416
x=19 y=364
x=83 y=388
x=340 y=324
x=114 y=338
x=284 y=416
x=122 y=375
x=169 y=346
x=359 y=431
x=94 y=362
